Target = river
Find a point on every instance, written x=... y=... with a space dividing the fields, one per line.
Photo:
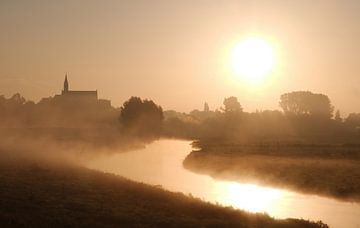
x=160 y=163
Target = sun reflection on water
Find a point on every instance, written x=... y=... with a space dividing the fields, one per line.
x=248 y=196
x=160 y=163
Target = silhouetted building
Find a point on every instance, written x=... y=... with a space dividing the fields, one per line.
x=87 y=96
x=81 y=97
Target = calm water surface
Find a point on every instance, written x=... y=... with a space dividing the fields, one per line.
x=160 y=163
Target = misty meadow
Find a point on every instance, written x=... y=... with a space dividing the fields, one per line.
x=179 y=113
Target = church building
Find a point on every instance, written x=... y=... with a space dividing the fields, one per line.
x=74 y=94
x=84 y=97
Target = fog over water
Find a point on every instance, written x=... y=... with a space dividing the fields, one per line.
x=160 y=163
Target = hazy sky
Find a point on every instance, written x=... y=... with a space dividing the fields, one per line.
x=176 y=52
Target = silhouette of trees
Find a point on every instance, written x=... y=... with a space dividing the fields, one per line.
x=142 y=117
x=13 y=103
x=52 y=112
x=17 y=100
x=15 y=110
x=231 y=104
x=306 y=103
x=206 y=107
x=353 y=120
x=305 y=116
x=337 y=116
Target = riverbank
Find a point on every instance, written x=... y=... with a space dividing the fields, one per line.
x=330 y=170
x=42 y=193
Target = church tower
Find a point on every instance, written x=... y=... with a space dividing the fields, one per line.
x=66 y=85
x=78 y=96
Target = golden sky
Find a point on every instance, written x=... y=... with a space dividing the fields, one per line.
x=176 y=52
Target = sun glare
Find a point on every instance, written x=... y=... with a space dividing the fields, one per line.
x=250 y=197
x=252 y=59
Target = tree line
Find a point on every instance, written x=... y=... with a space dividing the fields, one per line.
x=305 y=116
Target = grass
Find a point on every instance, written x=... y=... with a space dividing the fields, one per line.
x=42 y=193
x=331 y=170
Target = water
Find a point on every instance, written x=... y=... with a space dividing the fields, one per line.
x=160 y=163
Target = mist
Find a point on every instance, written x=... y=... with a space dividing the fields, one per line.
x=179 y=113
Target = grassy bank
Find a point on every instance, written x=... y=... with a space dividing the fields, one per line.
x=48 y=194
x=331 y=170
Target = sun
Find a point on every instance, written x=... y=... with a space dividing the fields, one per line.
x=253 y=59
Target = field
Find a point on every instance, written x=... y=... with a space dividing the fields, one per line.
x=331 y=170
x=44 y=193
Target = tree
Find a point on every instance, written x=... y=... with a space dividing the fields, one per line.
x=231 y=104
x=306 y=103
x=353 y=120
x=17 y=99
x=142 y=117
x=337 y=116
x=206 y=107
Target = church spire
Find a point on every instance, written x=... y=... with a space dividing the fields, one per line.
x=66 y=85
